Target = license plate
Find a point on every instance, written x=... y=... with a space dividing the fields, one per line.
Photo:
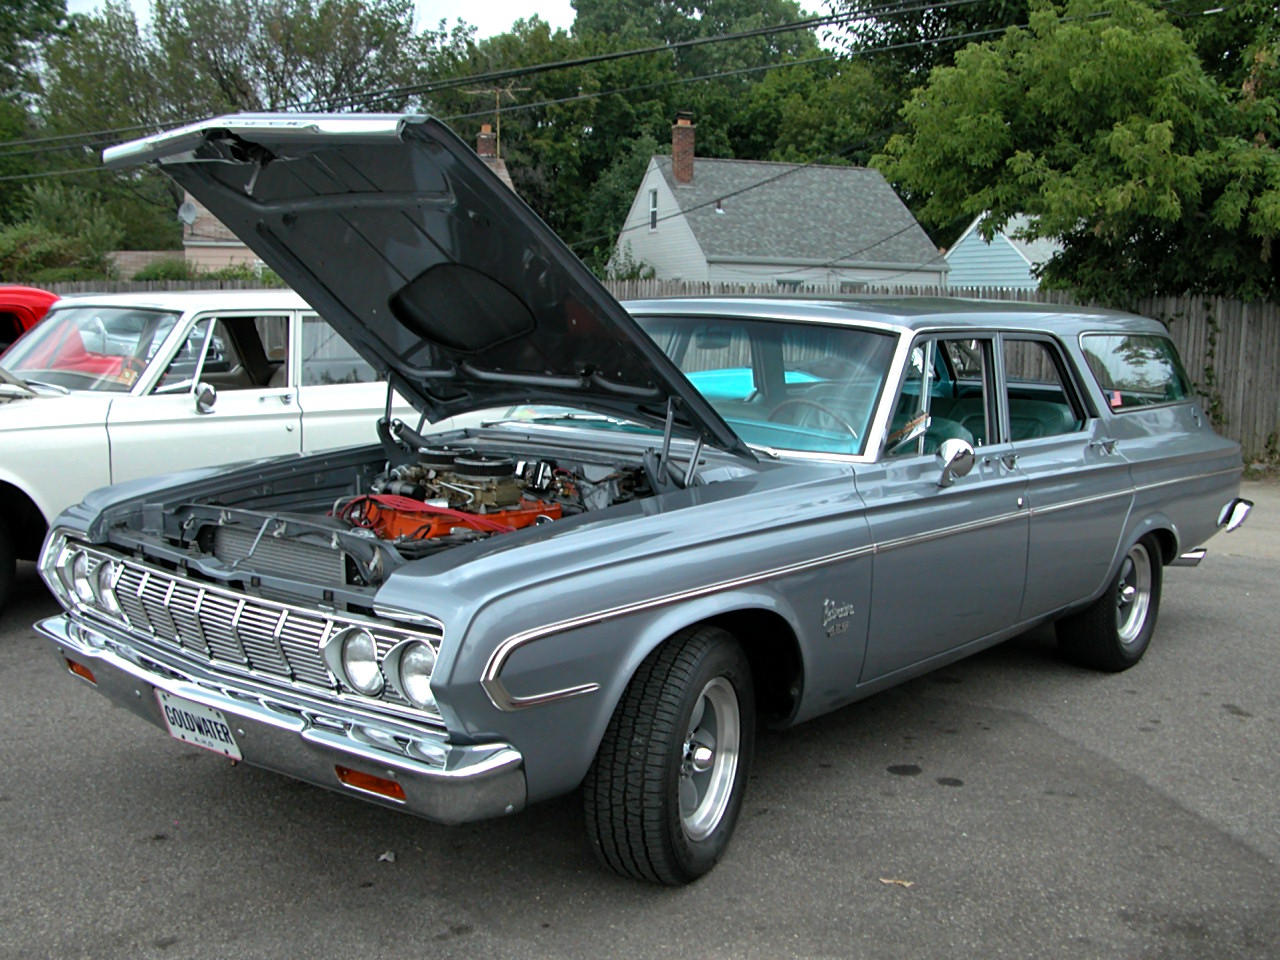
x=195 y=723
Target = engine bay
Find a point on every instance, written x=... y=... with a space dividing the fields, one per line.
x=452 y=495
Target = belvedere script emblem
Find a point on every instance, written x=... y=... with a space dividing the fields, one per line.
x=835 y=617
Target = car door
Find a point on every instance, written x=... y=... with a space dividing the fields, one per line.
x=244 y=357
x=340 y=394
x=950 y=560
x=1079 y=489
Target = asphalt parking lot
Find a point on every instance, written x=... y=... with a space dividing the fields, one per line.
x=1018 y=807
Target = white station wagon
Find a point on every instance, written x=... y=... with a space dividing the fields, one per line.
x=116 y=387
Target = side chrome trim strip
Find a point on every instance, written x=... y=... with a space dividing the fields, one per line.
x=503 y=700
x=1082 y=502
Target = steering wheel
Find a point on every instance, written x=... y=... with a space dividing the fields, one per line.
x=806 y=402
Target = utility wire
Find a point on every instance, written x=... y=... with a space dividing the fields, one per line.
x=451 y=82
x=889 y=10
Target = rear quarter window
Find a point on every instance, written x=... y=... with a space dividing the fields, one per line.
x=1139 y=370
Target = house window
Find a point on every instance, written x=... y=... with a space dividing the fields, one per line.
x=653 y=209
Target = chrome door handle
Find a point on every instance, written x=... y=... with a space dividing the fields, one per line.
x=1007 y=460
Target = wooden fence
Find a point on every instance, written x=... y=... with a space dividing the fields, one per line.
x=1230 y=349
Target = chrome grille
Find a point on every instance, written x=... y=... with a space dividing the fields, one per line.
x=223 y=628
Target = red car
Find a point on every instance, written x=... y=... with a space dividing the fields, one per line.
x=20 y=309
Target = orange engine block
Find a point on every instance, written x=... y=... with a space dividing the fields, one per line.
x=392 y=517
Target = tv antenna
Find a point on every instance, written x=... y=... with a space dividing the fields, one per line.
x=509 y=91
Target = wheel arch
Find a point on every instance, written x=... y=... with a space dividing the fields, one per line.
x=1162 y=529
x=25 y=520
x=773 y=650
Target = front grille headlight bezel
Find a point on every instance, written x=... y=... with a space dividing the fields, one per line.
x=409 y=667
x=50 y=565
x=108 y=577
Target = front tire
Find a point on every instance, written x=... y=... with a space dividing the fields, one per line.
x=8 y=563
x=664 y=792
x=1114 y=631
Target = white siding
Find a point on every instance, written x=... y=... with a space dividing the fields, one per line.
x=671 y=249
x=976 y=263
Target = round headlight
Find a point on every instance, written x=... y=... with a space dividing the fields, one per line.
x=416 y=663
x=104 y=587
x=80 y=581
x=360 y=663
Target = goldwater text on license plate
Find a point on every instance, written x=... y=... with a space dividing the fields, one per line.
x=195 y=723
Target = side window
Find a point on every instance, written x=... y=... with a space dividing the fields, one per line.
x=245 y=352
x=947 y=392
x=1041 y=401
x=1136 y=371
x=327 y=358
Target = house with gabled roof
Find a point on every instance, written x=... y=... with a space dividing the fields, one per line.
x=781 y=224
x=1008 y=261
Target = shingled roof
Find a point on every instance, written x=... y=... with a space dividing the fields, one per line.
x=787 y=212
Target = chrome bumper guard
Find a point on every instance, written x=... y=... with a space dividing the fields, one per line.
x=448 y=783
x=1234 y=514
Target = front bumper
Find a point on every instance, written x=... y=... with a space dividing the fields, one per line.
x=305 y=738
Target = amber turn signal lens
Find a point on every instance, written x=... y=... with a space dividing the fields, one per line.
x=80 y=670
x=371 y=784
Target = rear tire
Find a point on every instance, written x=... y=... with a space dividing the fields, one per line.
x=664 y=792
x=1114 y=631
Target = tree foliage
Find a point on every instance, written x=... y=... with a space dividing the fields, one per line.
x=62 y=237
x=1100 y=121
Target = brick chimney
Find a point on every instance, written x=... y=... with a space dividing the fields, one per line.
x=486 y=142
x=682 y=148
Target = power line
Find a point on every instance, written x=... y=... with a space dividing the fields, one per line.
x=492 y=76
x=511 y=73
x=677 y=81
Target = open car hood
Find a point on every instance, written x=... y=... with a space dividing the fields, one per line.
x=431 y=267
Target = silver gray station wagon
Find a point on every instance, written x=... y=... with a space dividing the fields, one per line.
x=674 y=521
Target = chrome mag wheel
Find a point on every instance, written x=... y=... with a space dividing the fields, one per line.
x=710 y=759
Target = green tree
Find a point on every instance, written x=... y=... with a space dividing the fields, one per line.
x=24 y=26
x=1100 y=121
x=924 y=36
x=62 y=237
x=199 y=58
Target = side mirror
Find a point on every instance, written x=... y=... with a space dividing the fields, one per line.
x=955 y=456
x=206 y=397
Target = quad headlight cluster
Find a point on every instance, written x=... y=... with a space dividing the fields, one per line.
x=79 y=581
x=352 y=655
x=85 y=581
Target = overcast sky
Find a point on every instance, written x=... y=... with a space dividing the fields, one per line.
x=490 y=16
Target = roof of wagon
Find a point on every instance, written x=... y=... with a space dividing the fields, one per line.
x=908 y=313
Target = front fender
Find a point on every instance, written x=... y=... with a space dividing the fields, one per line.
x=559 y=735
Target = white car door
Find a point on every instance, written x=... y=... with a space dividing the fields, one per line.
x=244 y=356
x=340 y=394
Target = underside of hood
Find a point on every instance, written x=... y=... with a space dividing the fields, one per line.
x=430 y=266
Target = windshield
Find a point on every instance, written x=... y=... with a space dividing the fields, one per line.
x=788 y=386
x=90 y=348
